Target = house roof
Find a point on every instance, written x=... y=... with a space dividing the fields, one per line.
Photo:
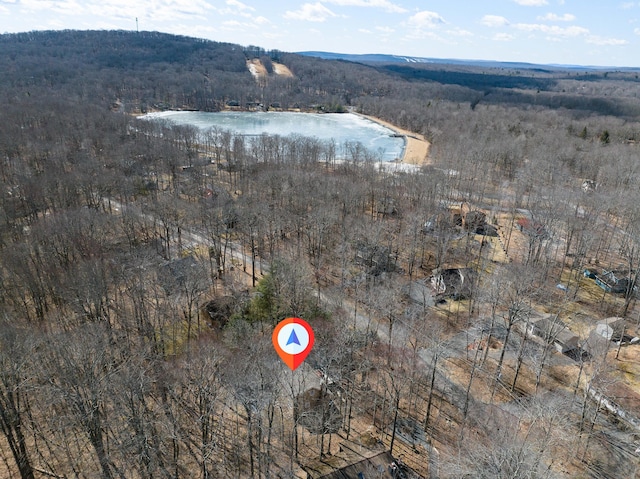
x=453 y=282
x=552 y=328
x=380 y=465
x=611 y=328
x=531 y=227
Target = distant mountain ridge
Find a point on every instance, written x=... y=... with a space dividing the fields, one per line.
x=384 y=58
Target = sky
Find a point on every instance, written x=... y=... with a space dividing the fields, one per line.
x=568 y=32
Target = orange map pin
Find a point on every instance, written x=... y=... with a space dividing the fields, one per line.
x=293 y=339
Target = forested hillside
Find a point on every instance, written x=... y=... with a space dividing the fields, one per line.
x=458 y=307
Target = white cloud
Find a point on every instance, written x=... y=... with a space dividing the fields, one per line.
x=531 y=3
x=384 y=4
x=156 y=10
x=636 y=31
x=627 y=5
x=553 y=30
x=494 y=21
x=238 y=5
x=260 y=20
x=552 y=17
x=234 y=7
x=231 y=24
x=310 y=12
x=385 y=29
x=503 y=37
x=68 y=7
x=426 y=19
x=459 y=32
x=597 y=40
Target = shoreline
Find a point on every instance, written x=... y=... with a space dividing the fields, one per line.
x=416 y=147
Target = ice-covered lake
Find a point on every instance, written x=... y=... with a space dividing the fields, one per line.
x=339 y=127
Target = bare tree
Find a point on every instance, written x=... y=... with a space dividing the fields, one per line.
x=16 y=353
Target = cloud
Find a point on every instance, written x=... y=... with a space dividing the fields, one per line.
x=503 y=37
x=310 y=12
x=597 y=40
x=494 y=21
x=156 y=10
x=384 y=4
x=426 y=19
x=234 y=7
x=553 y=30
x=459 y=32
x=636 y=31
x=385 y=29
x=238 y=5
x=260 y=20
x=68 y=7
x=627 y=5
x=552 y=17
x=531 y=3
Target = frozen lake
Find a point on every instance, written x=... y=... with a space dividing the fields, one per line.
x=339 y=127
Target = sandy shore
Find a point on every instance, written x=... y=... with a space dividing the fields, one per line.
x=416 y=149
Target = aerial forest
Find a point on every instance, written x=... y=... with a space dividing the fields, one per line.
x=475 y=315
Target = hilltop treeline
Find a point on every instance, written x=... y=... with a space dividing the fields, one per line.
x=143 y=266
x=150 y=70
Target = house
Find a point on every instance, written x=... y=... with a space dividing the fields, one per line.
x=600 y=337
x=381 y=465
x=476 y=222
x=532 y=228
x=550 y=329
x=596 y=345
x=456 y=283
x=613 y=281
x=611 y=328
